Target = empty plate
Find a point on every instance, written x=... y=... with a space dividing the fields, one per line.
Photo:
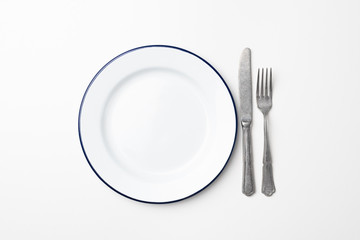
x=157 y=124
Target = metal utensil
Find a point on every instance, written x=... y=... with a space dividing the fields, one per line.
x=264 y=103
x=246 y=118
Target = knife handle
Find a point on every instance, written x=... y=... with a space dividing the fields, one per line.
x=248 y=178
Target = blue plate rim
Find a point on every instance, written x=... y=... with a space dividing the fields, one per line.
x=135 y=49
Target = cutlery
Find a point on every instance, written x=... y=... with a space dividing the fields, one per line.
x=248 y=187
x=264 y=103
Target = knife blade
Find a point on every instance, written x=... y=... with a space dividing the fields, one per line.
x=245 y=86
x=246 y=119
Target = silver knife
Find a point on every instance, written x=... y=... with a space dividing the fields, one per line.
x=246 y=118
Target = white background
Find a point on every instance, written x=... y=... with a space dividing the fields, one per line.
x=49 y=52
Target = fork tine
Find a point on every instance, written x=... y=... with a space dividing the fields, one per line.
x=257 y=83
x=270 y=88
x=262 y=83
x=266 y=92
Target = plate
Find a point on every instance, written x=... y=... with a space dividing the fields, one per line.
x=157 y=124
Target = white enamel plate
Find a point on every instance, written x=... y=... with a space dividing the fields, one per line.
x=157 y=124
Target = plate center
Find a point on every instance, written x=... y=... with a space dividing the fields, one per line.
x=155 y=121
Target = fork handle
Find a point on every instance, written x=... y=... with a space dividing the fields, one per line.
x=248 y=178
x=268 y=186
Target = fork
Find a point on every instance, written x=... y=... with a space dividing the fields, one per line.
x=264 y=103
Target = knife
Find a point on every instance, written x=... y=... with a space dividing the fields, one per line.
x=245 y=119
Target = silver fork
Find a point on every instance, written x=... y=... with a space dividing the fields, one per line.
x=264 y=103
